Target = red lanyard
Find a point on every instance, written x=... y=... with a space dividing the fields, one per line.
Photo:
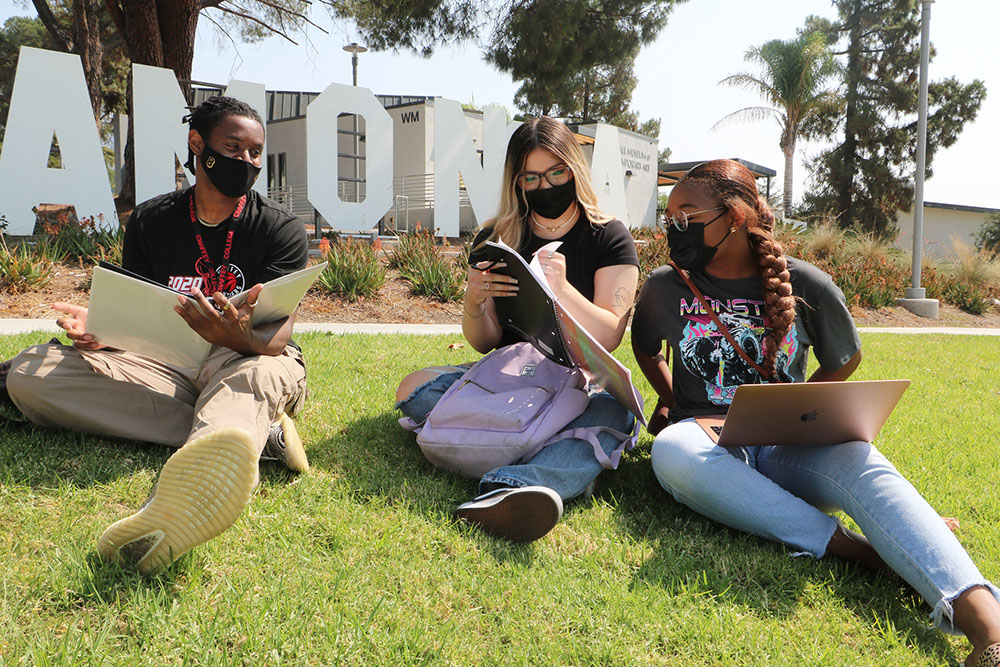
x=205 y=266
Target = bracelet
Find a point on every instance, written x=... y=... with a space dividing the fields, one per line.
x=473 y=315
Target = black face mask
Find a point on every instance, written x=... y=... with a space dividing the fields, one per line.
x=551 y=202
x=688 y=249
x=230 y=176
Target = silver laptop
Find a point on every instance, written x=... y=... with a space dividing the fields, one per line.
x=806 y=413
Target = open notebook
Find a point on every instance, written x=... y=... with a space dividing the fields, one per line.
x=806 y=413
x=133 y=313
x=539 y=318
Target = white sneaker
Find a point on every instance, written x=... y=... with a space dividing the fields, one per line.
x=202 y=490
x=519 y=514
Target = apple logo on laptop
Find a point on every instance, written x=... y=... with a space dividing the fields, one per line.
x=809 y=416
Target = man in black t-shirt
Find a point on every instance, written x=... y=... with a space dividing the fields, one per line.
x=212 y=241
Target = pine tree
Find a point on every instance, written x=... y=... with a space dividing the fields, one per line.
x=866 y=178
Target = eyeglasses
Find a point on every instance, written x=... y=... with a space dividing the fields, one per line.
x=532 y=180
x=680 y=219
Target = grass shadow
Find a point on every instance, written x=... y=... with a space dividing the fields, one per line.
x=381 y=463
x=695 y=556
x=44 y=458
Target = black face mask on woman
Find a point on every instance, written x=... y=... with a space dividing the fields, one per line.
x=688 y=249
x=230 y=176
x=551 y=202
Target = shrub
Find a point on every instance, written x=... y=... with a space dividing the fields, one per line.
x=652 y=249
x=428 y=272
x=411 y=250
x=353 y=270
x=65 y=239
x=974 y=279
x=435 y=276
x=988 y=237
x=21 y=271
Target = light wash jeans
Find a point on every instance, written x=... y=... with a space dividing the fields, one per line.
x=566 y=466
x=784 y=494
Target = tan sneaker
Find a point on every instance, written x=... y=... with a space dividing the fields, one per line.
x=201 y=491
x=284 y=444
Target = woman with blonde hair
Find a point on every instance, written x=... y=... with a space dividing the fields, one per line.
x=546 y=196
x=777 y=308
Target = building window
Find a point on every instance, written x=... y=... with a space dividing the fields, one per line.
x=277 y=176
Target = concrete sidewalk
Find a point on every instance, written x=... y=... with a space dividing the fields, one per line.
x=12 y=326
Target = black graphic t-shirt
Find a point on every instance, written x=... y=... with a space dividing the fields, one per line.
x=706 y=369
x=586 y=247
x=160 y=243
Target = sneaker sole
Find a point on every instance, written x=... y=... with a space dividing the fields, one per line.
x=295 y=453
x=202 y=490
x=519 y=517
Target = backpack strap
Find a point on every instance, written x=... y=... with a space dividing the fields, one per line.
x=718 y=323
x=589 y=433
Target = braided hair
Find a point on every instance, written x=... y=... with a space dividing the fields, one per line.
x=736 y=188
x=206 y=116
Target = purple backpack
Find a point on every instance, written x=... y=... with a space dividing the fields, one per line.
x=507 y=407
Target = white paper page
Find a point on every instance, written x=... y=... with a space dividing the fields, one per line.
x=281 y=296
x=138 y=316
x=132 y=315
x=535 y=265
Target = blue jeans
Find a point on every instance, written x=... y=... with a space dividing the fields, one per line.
x=784 y=494
x=566 y=466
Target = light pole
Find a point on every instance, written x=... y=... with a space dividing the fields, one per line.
x=915 y=299
x=354 y=49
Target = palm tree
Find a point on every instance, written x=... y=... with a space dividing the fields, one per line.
x=793 y=73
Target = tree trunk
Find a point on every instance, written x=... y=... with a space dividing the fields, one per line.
x=87 y=44
x=786 y=196
x=159 y=33
x=849 y=149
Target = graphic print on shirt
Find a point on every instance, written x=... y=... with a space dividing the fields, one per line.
x=707 y=355
x=228 y=279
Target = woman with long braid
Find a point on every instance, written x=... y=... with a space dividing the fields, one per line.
x=777 y=308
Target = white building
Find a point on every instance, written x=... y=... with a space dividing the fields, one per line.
x=943 y=224
x=413 y=160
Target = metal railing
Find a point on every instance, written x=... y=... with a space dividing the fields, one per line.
x=413 y=195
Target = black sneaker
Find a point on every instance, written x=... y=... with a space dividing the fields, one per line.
x=284 y=444
x=520 y=515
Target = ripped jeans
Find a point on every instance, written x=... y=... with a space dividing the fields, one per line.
x=784 y=494
x=566 y=466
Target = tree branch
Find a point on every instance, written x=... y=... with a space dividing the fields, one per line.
x=285 y=10
x=254 y=19
x=52 y=26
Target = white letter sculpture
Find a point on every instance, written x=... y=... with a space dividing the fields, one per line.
x=50 y=97
x=321 y=157
x=160 y=135
x=455 y=153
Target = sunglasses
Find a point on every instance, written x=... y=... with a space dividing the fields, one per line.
x=532 y=180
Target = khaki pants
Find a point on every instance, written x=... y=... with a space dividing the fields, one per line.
x=119 y=394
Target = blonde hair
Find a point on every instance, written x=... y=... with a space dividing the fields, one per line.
x=512 y=220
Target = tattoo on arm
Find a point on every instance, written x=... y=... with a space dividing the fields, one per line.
x=621 y=301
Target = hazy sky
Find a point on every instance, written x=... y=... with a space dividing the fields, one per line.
x=678 y=79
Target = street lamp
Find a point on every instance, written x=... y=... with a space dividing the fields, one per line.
x=354 y=49
x=915 y=300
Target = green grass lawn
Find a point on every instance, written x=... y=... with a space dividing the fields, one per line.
x=359 y=562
